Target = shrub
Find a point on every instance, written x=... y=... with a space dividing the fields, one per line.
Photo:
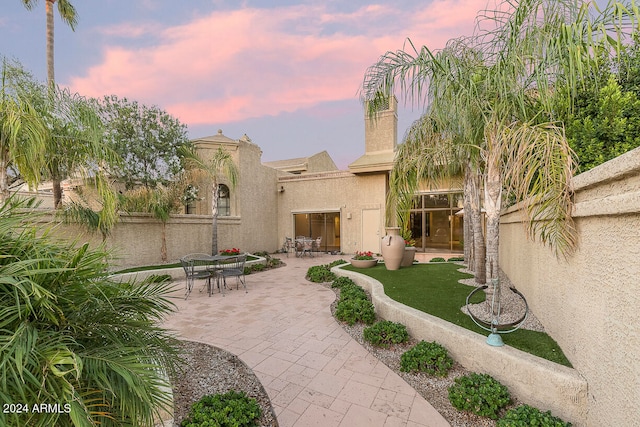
x=385 y=333
x=274 y=262
x=352 y=291
x=525 y=416
x=480 y=394
x=429 y=357
x=339 y=282
x=437 y=259
x=320 y=274
x=232 y=409
x=355 y=310
x=456 y=258
x=336 y=262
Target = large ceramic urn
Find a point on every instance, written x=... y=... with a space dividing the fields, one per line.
x=392 y=248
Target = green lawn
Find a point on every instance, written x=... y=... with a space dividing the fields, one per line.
x=434 y=289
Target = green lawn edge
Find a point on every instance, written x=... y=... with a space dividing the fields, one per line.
x=433 y=288
x=162 y=266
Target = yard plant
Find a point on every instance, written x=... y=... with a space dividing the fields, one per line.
x=480 y=394
x=71 y=336
x=385 y=333
x=429 y=357
x=231 y=409
x=525 y=416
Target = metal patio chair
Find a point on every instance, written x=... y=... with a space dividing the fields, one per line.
x=197 y=266
x=233 y=266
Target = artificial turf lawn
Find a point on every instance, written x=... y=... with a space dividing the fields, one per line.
x=434 y=289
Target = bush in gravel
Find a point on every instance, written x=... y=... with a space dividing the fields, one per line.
x=480 y=394
x=385 y=332
x=320 y=274
x=341 y=281
x=428 y=357
x=352 y=291
x=231 y=409
x=525 y=416
x=355 y=310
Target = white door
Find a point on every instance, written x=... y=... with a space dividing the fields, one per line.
x=371 y=230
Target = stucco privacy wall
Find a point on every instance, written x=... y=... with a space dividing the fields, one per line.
x=137 y=239
x=589 y=302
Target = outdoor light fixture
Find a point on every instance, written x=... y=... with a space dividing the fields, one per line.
x=281 y=189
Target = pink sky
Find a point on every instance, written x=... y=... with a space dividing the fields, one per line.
x=236 y=64
x=285 y=72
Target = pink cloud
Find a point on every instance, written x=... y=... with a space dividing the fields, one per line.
x=232 y=65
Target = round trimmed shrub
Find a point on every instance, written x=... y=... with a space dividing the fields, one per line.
x=341 y=281
x=437 y=259
x=355 y=310
x=429 y=357
x=385 y=332
x=320 y=274
x=352 y=291
x=525 y=416
x=480 y=394
x=231 y=409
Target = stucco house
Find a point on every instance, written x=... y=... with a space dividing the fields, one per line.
x=311 y=197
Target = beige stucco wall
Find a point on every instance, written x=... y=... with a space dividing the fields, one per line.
x=252 y=223
x=589 y=302
x=341 y=192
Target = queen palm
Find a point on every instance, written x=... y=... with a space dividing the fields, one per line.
x=219 y=166
x=22 y=131
x=530 y=47
x=68 y=14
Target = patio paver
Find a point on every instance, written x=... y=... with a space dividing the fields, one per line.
x=314 y=372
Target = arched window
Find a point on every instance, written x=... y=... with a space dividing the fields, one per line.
x=224 y=200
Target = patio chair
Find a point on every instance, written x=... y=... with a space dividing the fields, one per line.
x=317 y=243
x=197 y=266
x=287 y=245
x=232 y=267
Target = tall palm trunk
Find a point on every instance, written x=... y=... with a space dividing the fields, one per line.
x=475 y=218
x=50 y=73
x=492 y=202
x=51 y=81
x=214 y=220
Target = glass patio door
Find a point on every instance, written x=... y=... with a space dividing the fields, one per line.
x=319 y=224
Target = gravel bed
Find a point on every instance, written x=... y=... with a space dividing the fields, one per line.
x=211 y=370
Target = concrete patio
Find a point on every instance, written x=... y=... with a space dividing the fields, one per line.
x=314 y=372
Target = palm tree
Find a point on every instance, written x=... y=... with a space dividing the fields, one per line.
x=68 y=14
x=219 y=166
x=508 y=83
x=73 y=336
x=22 y=132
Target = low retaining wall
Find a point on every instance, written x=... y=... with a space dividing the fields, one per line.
x=533 y=380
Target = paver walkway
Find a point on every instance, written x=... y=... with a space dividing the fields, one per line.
x=314 y=372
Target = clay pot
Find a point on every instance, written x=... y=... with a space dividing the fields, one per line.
x=392 y=248
x=363 y=263
x=409 y=256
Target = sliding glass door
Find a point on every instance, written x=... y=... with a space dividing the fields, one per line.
x=325 y=225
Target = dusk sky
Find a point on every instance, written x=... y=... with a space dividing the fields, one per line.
x=285 y=72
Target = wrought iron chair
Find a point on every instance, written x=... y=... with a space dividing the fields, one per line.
x=316 y=244
x=232 y=267
x=197 y=266
x=287 y=246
